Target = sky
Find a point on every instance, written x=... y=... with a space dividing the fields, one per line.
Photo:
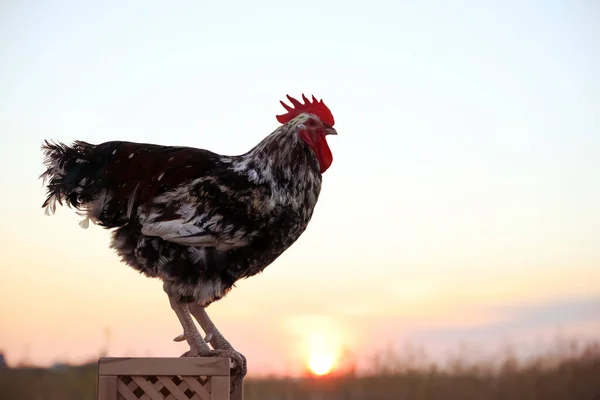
x=462 y=203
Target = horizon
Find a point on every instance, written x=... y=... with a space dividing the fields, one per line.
x=461 y=205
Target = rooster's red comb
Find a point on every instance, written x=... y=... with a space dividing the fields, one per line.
x=316 y=107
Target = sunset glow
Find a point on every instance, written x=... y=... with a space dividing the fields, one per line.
x=461 y=206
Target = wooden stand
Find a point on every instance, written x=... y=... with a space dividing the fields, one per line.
x=181 y=378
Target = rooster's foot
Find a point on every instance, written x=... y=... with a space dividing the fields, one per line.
x=239 y=365
x=239 y=362
x=181 y=338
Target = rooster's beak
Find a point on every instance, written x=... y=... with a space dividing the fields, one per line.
x=330 y=131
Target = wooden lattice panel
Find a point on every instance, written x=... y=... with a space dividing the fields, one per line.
x=166 y=379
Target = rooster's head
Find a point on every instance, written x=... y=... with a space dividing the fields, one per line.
x=313 y=121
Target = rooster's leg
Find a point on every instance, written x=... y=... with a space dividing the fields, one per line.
x=197 y=345
x=218 y=342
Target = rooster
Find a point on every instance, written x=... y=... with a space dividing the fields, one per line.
x=197 y=220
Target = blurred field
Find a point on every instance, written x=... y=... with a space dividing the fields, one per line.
x=573 y=373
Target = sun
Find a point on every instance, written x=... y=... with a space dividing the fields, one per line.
x=321 y=364
x=322 y=353
x=320 y=345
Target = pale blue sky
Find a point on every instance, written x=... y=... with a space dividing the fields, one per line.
x=466 y=166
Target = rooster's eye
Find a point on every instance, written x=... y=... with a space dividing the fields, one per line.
x=311 y=122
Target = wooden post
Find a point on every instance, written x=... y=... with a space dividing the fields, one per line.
x=181 y=378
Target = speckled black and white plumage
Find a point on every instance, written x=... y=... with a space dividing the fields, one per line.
x=197 y=220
